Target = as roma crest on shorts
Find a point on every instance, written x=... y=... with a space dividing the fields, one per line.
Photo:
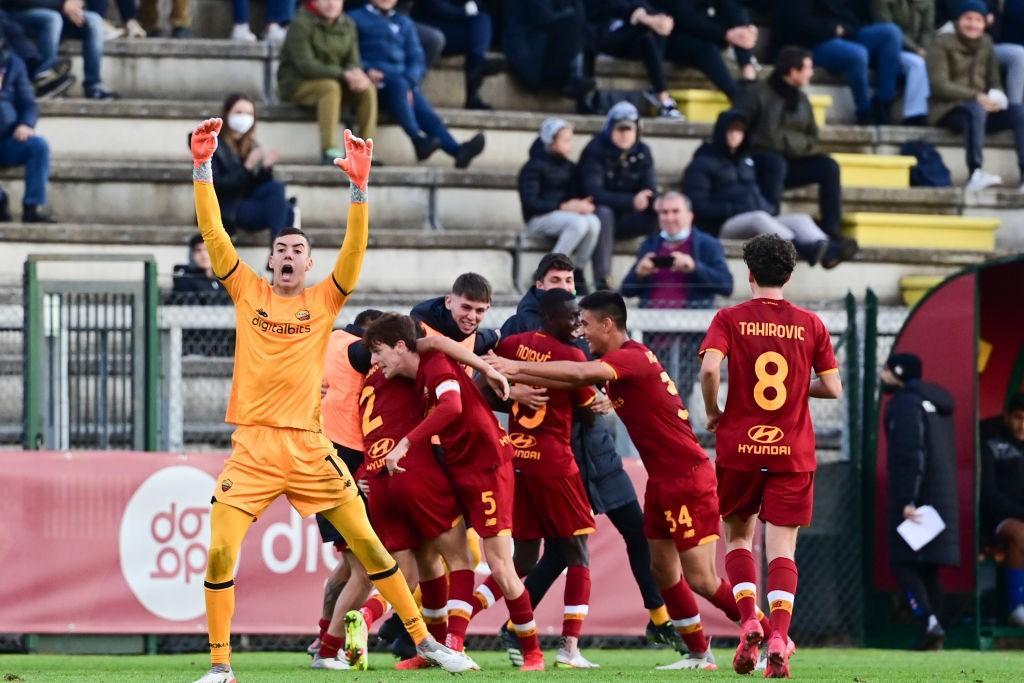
x=226 y=484
x=302 y=314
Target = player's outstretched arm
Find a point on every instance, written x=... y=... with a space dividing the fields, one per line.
x=571 y=372
x=203 y=144
x=356 y=165
x=460 y=354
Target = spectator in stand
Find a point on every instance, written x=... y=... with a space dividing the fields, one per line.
x=632 y=30
x=49 y=21
x=180 y=18
x=617 y=171
x=552 y=203
x=47 y=83
x=320 y=64
x=784 y=141
x=279 y=15
x=1005 y=24
x=132 y=28
x=921 y=459
x=431 y=39
x=967 y=95
x=545 y=42
x=916 y=19
x=467 y=31
x=250 y=199
x=702 y=29
x=1002 y=496
x=393 y=56
x=679 y=267
x=842 y=41
x=19 y=144
x=194 y=282
x=721 y=183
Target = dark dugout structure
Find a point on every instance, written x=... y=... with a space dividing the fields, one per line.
x=969 y=333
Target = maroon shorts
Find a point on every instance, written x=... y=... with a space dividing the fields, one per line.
x=413 y=507
x=550 y=507
x=779 y=498
x=486 y=499
x=683 y=508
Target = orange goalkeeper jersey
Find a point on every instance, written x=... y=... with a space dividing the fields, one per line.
x=281 y=341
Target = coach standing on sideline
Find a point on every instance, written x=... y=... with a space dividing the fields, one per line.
x=921 y=459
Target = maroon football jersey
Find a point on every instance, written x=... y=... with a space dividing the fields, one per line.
x=390 y=409
x=541 y=438
x=772 y=347
x=474 y=440
x=646 y=400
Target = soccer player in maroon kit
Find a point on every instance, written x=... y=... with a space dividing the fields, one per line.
x=766 y=458
x=680 y=505
x=478 y=459
x=550 y=501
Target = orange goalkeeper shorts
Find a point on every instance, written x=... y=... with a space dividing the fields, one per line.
x=267 y=462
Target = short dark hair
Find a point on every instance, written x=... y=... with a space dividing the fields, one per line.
x=552 y=301
x=1015 y=403
x=366 y=317
x=194 y=241
x=770 y=258
x=473 y=286
x=606 y=304
x=391 y=328
x=552 y=261
x=789 y=58
x=295 y=231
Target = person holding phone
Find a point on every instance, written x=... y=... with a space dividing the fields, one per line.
x=678 y=267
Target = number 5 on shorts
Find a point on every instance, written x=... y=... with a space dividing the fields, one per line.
x=490 y=507
x=682 y=519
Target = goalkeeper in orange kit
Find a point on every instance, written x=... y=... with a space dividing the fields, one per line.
x=278 y=446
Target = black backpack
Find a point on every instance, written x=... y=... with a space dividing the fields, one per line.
x=929 y=170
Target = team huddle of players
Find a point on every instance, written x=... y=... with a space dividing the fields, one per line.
x=405 y=413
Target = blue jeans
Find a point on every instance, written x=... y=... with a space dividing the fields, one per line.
x=48 y=27
x=265 y=207
x=877 y=45
x=416 y=119
x=278 y=11
x=34 y=155
x=916 y=88
x=973 y=121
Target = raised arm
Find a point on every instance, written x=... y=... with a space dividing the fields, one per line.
x=203 y=144
x=356 y=164
x=573 y=373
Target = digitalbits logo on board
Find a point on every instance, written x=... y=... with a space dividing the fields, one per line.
x=165 y=532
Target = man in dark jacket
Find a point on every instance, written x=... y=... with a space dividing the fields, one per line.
x=679 y=267
x=784 y=141
x=393 y=57
x=617 y=170
x=608 y=486
x=19 y=144
x=721 y=183
x=843 y=41
x=458 y=315
x=545 y=42
x=1002 y=496
x=552 y=203
x=921 y=457
x=467 y=31
x=702 y=29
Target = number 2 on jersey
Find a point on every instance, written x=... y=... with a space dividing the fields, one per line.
x=369 y=423
x=770 y=380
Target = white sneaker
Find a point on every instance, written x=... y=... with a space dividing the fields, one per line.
x=704 y=661
x=133 y=29
x=275 y=34
x=981 y=180
x=1016 y=617
x=111 y=32
x=313 y=648
x=243 y=33
x=573 y=660
x=218 y=673
x=331 y=663
x=451 y=661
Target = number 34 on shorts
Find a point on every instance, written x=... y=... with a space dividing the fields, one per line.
x=680 y=518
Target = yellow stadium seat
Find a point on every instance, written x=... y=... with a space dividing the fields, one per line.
x=921 y=231
x=704 y=106
x=874 y=170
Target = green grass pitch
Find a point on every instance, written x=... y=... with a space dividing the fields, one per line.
x=849 y=665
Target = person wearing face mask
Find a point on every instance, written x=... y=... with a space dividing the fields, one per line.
x=921 y=461
x=678 y=267
x=250 y=198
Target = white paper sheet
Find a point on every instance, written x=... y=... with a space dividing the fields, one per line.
x=919 y=534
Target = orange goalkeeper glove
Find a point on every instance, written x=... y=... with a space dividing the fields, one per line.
x=356 y=164
x=204 y=140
